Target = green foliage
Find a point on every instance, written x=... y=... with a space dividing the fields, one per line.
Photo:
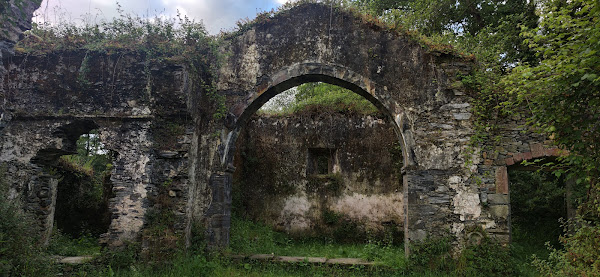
x=19 y=252
x=562 y=92
x=431 y=254
x=158 y=36
x=159 y=235
x=323 y=97
x=537 y=207
x=487 y=258
x=249 y=237
x=120 y=258
x=64 y=245
x=580 y=257
x=84 y=188
x=484 y=258
x=537 y=204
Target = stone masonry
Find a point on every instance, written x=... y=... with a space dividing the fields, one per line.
x=276 y=181
x=163 y=131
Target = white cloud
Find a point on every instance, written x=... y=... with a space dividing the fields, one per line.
x=216 y=14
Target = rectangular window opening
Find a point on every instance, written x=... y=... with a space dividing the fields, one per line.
x=320 y=161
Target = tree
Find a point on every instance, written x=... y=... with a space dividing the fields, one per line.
x=562 y=92
x=477 y=26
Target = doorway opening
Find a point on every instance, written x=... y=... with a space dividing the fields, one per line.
x=81 y=213
x=317 y=165
x=541 y=203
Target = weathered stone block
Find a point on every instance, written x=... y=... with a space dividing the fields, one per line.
x=518 y=157
x=462 y=116
x=537 y=150
x=497 y=198
x=499 y=211
x=501 y=180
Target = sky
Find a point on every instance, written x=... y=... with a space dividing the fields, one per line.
x=216 y=15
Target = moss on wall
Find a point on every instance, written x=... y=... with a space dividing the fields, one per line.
x=276 y=181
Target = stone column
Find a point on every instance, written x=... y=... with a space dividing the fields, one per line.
x=429 y=201
x=41 y=202
x=218 y=215
x=499 y=207
x=130 y=178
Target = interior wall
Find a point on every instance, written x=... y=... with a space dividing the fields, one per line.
x=279 y=181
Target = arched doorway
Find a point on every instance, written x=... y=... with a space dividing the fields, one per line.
x=323 y=167
x=219 y=213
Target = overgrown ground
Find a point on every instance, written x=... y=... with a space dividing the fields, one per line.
x=430 y=259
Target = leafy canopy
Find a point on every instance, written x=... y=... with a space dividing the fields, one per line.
x=562 y=92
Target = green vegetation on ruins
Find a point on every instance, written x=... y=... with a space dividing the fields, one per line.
x=313 y=98
x=537 y=60
x=178 y=40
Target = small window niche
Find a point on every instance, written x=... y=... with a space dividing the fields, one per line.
x=321 y=161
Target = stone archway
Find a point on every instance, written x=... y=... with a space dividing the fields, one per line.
x=414 y=88
x=298 y=74
x=221 y=182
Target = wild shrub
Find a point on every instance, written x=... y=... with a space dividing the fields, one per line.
x=120 y=258
x=432 y=254
x=64 y=245
x=486 y=258
x=580 y=255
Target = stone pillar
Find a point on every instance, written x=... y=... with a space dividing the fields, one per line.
x=218 y=215
x=131 y=181
x=41 y=202
x=499 y=207
x=429 y=200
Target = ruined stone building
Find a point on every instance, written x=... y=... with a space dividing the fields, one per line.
x=161 y=131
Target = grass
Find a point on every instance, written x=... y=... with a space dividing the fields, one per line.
x=64 y=245
x=199 y=265
x=248 y=237
x=315 y=98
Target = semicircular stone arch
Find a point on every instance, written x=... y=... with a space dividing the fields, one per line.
x=415 y=88
x=299 y=74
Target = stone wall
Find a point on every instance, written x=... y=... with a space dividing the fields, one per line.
x=360 y=182
x=510 y=144
x=170 y=144
x=49 y=103
x=15 y=16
